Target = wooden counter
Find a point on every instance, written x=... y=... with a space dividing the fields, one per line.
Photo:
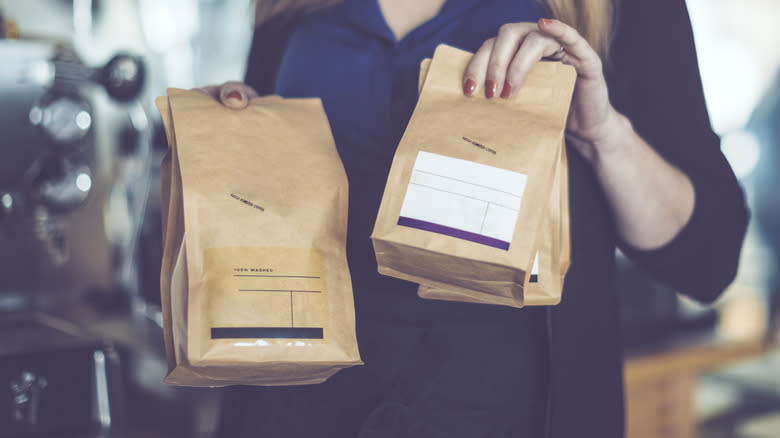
x=660 y=382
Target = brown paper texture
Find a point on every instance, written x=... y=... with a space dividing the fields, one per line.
x=173 y=225
x=565 y=217
x=259 y=292
x=504 y=138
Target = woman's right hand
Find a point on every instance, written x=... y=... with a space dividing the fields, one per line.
x=232 y=94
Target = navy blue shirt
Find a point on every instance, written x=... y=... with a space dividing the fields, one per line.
x=348 y=56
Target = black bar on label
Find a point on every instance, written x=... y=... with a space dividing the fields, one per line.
x=266 y=333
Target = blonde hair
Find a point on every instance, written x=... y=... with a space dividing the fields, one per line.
x=595 y=21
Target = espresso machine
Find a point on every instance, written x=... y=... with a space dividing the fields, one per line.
x=74 y=152
x=58 y=177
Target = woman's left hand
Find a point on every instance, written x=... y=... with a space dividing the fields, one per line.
x=502 y=64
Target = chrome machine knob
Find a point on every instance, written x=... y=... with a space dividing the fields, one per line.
x=6 y=204
x=26 y=391
x=123 y=77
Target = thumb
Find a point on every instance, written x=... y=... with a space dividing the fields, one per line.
x=233 y=95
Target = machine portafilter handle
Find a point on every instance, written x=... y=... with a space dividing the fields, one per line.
x=122 y=77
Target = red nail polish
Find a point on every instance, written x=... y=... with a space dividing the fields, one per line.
x=469 y=87
x=233 y=95
x=507 y=91
x=490 y=89
x=546 y=21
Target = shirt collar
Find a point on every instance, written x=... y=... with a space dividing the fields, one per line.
x=366 y=16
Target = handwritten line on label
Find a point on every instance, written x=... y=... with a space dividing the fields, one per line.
x=246 y=202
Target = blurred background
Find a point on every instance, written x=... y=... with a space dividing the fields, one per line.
x=81 y=349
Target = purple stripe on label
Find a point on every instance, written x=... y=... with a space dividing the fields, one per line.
x=454 y=232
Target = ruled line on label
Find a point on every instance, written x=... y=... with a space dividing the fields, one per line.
x=276 y=276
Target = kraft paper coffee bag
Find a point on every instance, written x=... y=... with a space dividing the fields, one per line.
x=547 y=277
x=471 y=181
x=254 y=281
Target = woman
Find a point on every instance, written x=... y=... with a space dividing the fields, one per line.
x=648 y=176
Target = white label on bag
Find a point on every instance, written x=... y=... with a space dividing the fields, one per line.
x=463 y=199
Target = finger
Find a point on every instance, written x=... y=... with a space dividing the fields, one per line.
x=509 y=38
x=210 y=90
x=474 y=75
x=535 y=47
x=578 y=52
x=235 y=94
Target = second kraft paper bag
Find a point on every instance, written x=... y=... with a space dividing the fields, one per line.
x=472 y=180
x=552 y=260
x=255 y=285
